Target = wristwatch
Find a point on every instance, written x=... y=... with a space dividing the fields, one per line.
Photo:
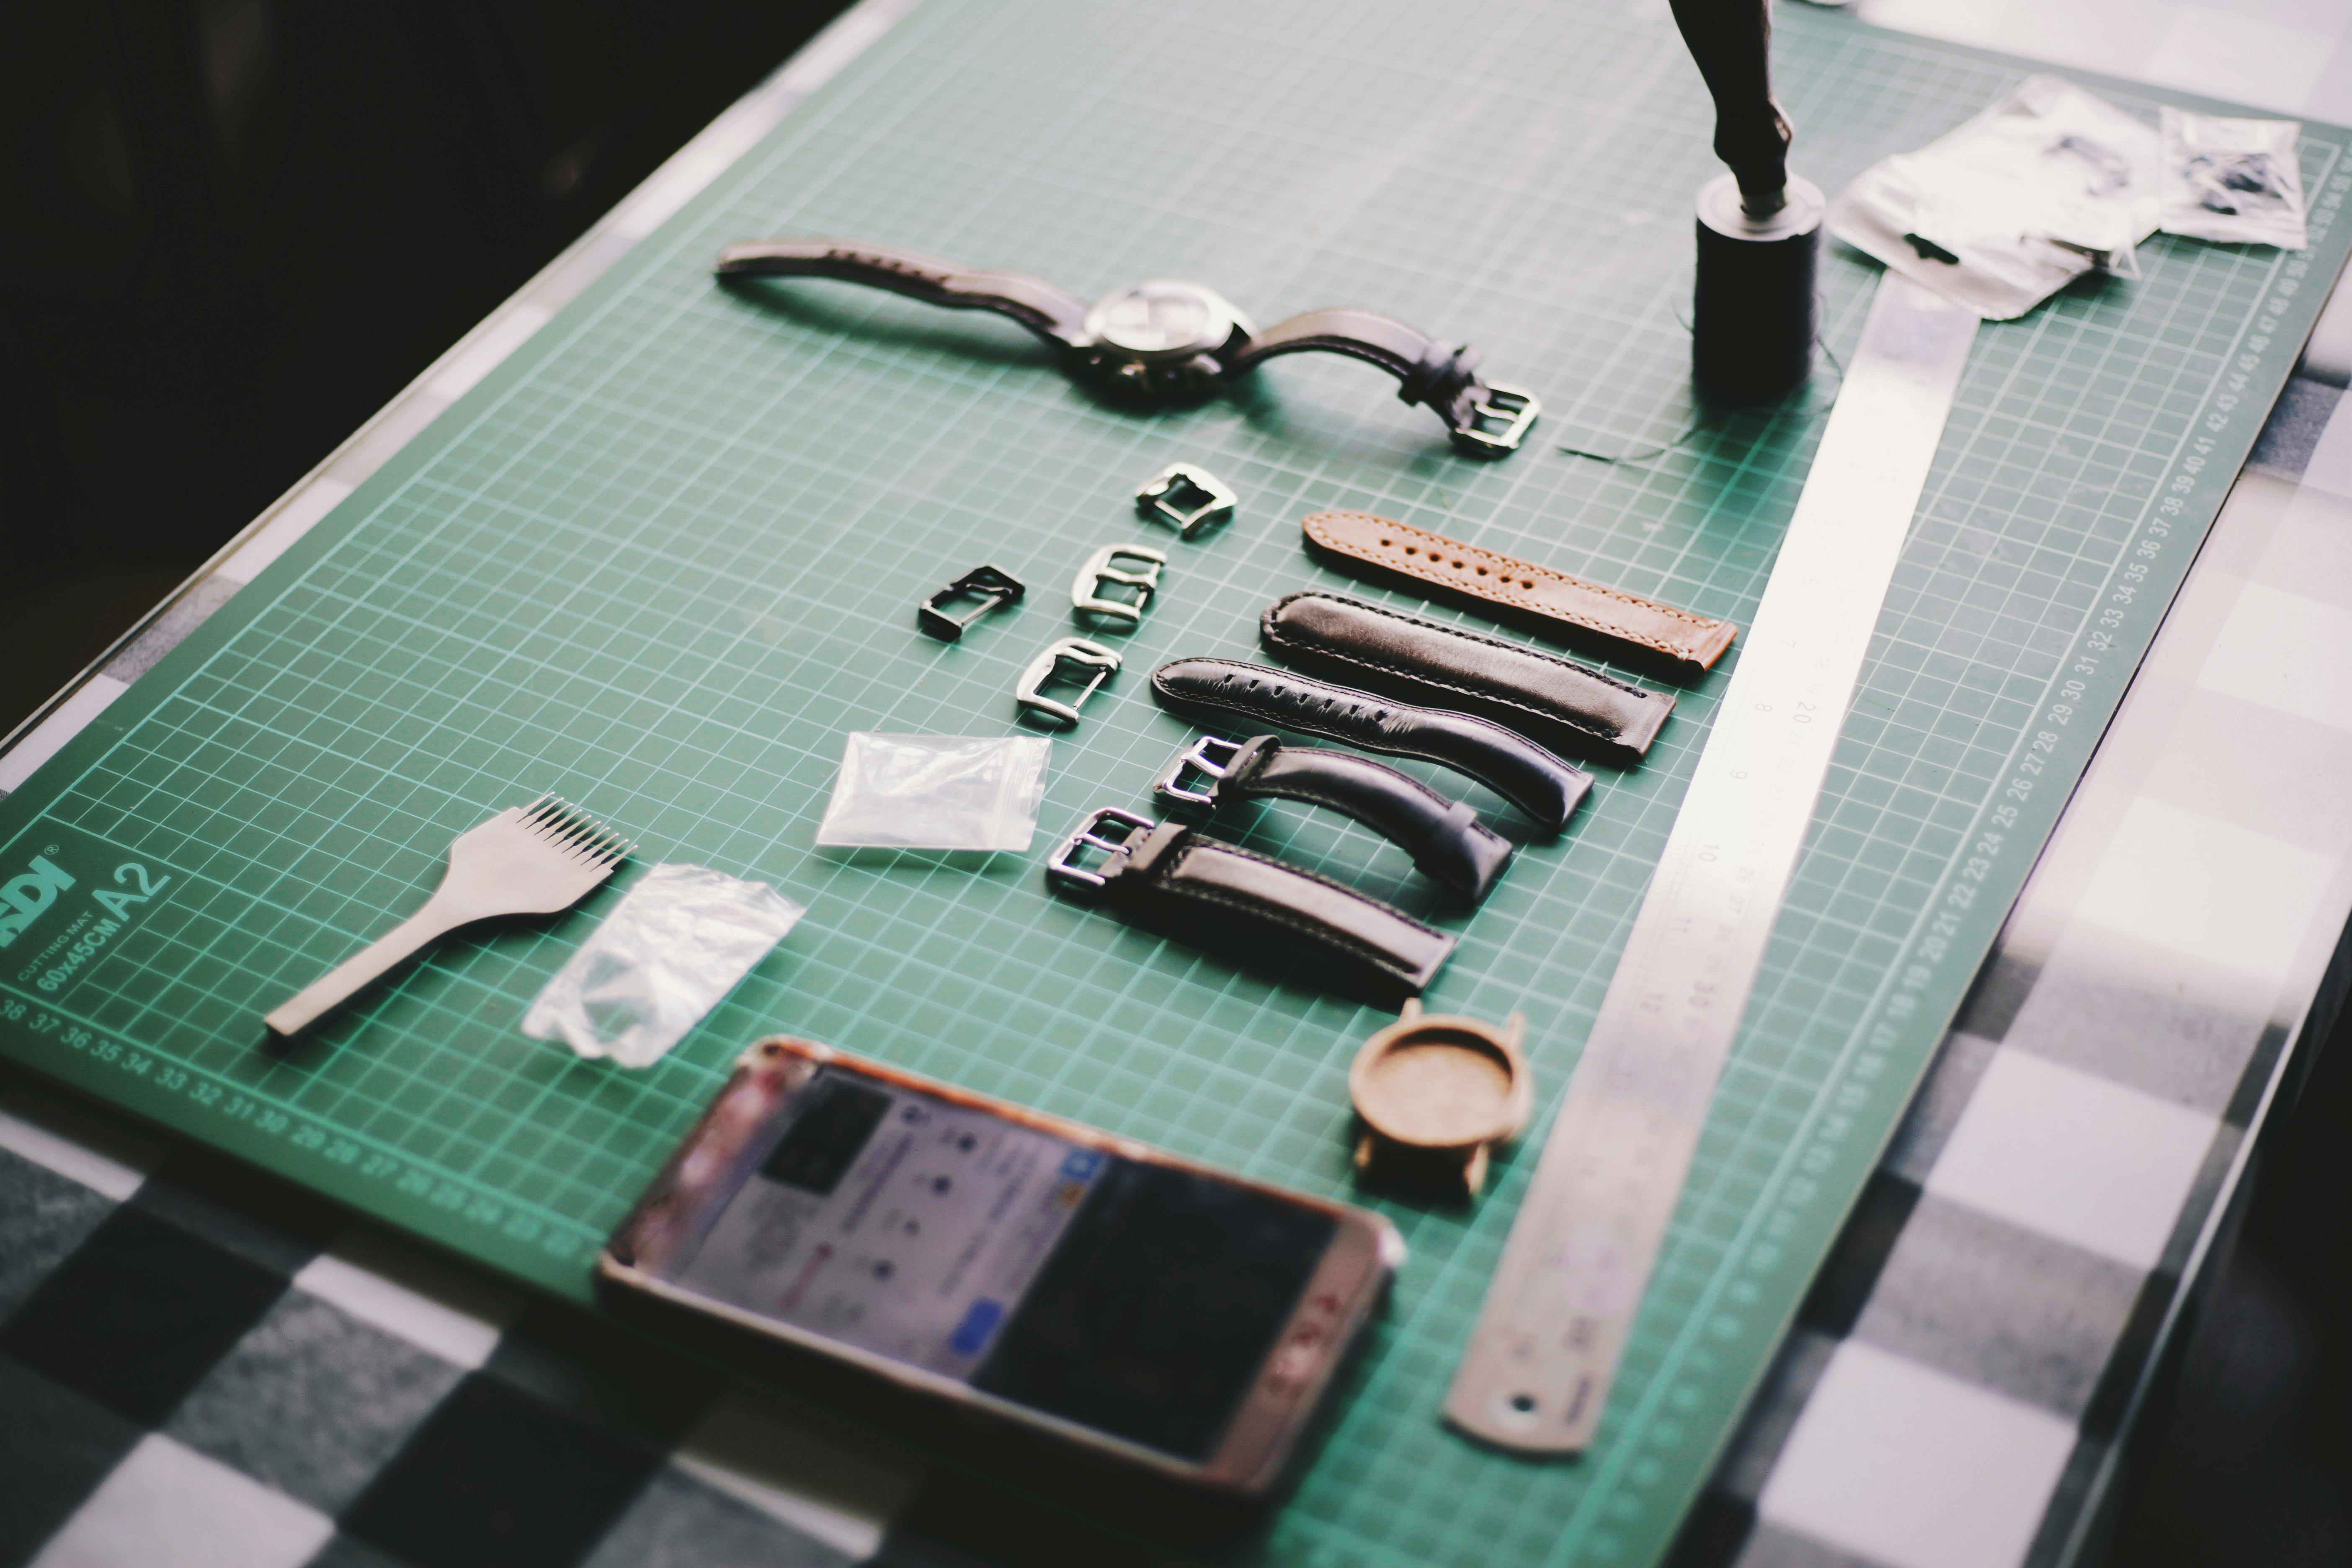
x=1166 y=340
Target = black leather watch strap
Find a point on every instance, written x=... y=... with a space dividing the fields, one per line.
x=1551 y=701
x=1513 y=767
x=1444 y=836
x=1443 y=379
x=1271 y=916
x=1054 y=315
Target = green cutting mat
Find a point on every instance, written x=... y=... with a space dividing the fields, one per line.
x=669 y=554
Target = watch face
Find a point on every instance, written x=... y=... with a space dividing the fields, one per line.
x=1160 y=318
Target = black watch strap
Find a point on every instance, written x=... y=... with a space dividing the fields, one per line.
x=1054 y=315
x=1483 y=419
x=1273 y=917
x=1513 y=766
x=1556 y=703
x=1444 y=837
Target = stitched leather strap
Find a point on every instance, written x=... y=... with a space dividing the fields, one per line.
x=1518 y=770
x=1693 y=641
x=1214 y=894
x=1055 y=316
x=1552 y=702
x=1444 y=837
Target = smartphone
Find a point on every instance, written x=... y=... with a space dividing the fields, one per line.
x=1134 y=1303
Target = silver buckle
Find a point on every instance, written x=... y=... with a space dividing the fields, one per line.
x=1516 y=407
x=993 y=586
x=1188 y=497
x=1080 y=655
x=1203 y=758
x=1061 y=868
x=1086 y=593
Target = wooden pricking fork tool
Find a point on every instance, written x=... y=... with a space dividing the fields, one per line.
x=533 y=860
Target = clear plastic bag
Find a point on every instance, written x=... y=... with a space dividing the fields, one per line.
x=668 y=952
x=936 y=792
x=2236 y=181
x=2005 y=210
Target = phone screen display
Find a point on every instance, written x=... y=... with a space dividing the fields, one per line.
x=1127 y=1297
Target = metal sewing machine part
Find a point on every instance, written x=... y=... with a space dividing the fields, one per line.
x=1753 y=313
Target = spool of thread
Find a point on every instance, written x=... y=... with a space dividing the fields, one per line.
x=1753 y=317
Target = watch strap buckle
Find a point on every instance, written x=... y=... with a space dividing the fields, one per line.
x=993 y=586
x=1073 y=659
x=1188 y=497
x=1499 y=416
x=1212 y=757
x=1103 y=567
x=1063 y=868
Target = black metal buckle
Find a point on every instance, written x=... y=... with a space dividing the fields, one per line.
x=1061 y=868
x=1211 y=757
x=992 y=586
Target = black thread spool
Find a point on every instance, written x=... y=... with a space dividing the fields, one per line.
x=1753 y=311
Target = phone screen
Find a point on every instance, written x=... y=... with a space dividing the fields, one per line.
x=1127 y=1297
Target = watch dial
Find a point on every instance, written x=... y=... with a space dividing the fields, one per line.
x=1160 y=317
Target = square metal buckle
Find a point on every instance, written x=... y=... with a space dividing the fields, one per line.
x=993 y=586
x=1068 y=660
x=1061 y=868
x=1516 y=407
x=1188 y=497
x=1101 y=567
x=1212 y=757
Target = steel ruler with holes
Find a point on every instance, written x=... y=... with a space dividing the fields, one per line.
x=1536 y=1373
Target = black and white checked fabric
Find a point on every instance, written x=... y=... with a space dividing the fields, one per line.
x=1957 y=1383
x=201 y=1366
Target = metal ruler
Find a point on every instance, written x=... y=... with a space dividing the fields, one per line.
x=1536 y=1373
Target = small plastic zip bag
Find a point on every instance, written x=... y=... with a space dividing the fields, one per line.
x=2004 y=211
x=2235 y=180
x=936 y=792
x=668 y=953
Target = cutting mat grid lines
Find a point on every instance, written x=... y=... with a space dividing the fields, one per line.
x=665 y=557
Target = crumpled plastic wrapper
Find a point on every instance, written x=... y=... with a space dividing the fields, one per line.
x=668 y=952
x=2009 y=209
x=936 y=792
x=2236 y=181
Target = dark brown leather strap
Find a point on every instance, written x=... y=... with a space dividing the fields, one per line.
x=1054 y=315
x=1693 y=641
x=1444 y=836
x=1217 y=895
x=1510 y=764
x=1556 y=704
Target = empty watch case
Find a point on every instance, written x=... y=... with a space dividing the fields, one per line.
x=1074 y=660
x=1103 y=567
x=1436 y=1093
x=1188 y=497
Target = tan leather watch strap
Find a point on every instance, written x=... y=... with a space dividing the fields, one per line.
x=1693 y=641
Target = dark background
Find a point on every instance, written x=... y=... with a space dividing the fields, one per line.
x=235 y=228
x=230 y=230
